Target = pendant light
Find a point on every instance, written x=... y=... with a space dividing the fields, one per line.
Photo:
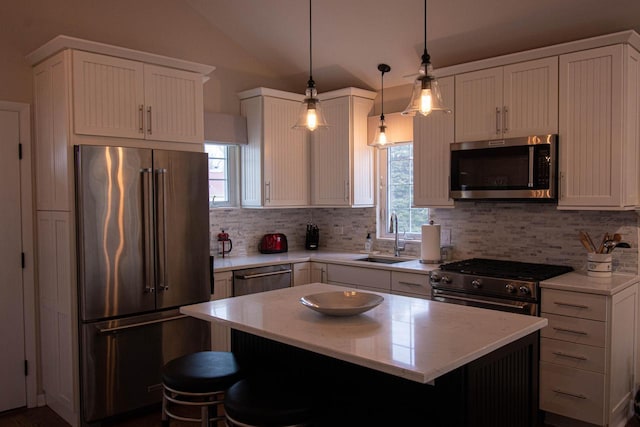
x=426 y=97
x=310 y=117
x=381 y=140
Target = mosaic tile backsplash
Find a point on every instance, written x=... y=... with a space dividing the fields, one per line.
x=525 y=232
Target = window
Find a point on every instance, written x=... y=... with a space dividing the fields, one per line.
x=222 y=175
x=396 y=192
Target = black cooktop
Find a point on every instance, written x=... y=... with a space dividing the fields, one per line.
x=506 y=269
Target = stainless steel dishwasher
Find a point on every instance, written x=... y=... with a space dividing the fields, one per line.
x=261 y=279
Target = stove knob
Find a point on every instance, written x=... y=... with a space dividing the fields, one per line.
x=510 y=288
x=476 y=284
x=525 y=290
x=446 y=279
x=435 y=277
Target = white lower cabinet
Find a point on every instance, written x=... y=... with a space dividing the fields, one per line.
x=378 y=280
x=318 y=272
x=410 y=284
x=359 y=277
x=222 y=288
x=587 y=356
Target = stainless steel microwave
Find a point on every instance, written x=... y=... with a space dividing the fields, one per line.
x=515 y=168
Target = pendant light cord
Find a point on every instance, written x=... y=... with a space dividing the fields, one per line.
x=425 y=56
x=310 y=83
x=382 y=93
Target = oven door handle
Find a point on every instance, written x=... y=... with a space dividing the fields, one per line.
x=444 y=297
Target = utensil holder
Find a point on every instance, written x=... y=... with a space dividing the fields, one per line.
x=599 y=265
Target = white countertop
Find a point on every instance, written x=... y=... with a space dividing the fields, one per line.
x=579 y=281
x=229 y=263
x=412 y=338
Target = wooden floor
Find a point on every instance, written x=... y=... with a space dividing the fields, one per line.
x=45 y=417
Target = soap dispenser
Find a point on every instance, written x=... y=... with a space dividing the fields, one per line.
x=368 y=243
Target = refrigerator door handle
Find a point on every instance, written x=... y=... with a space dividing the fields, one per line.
x=147 y=218
x=139 y=324
x=161 y=230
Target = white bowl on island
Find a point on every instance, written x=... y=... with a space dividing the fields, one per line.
x=341 y=303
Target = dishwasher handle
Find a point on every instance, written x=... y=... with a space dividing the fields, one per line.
x=254 y=276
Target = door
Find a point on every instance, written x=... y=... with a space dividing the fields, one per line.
x=115 y=250
x=182 y=227
x=478 y=106
x=12 y=358
x=174 y=105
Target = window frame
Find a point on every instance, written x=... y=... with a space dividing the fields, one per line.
x=232 y=179
x=383 y=214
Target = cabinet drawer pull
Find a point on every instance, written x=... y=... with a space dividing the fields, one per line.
x=572 y=331
x=567 y=304
x=566 y=393
x=571 y=356
x=409 y=283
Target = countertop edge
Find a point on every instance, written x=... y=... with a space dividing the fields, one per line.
x=579 y=281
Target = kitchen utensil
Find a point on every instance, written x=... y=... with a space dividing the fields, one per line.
x=605 y=238
x=587 y=242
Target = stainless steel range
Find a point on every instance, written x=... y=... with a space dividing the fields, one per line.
x=499 y=285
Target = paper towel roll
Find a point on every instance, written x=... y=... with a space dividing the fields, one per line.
x=430 y=245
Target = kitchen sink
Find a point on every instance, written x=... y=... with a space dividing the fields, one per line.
x=382 y=260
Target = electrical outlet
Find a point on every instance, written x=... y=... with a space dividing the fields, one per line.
x=445 y=236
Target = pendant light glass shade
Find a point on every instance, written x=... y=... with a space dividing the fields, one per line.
x=310 y=116
x=425 y=96
x=380 y=139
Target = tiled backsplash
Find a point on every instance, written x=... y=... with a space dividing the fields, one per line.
x=526 y=232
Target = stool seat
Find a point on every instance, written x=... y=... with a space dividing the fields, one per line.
x=268 y=401
x=201 y=372
x=197 y=381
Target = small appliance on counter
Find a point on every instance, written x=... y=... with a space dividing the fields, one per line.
x=273 y=243
x=224 y=243
x=312 y=238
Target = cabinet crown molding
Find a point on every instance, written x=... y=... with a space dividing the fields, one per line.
x=349 y=91
x=265 y=91
x=62 y=42
x=629 y=37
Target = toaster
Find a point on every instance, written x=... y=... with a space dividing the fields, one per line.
x=273 y=243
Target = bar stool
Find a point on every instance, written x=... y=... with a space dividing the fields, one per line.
x=268 y=401
x=197 y=380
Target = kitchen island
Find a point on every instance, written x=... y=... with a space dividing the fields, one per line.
x=458 y=365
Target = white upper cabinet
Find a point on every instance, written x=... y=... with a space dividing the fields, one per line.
x=124 y=98
x=342 y=164
x=599 y=136
x=275 y=162
x=432 y=136
x=510 y=101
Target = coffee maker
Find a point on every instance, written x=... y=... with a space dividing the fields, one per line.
x=224 y=243
x=312 y=238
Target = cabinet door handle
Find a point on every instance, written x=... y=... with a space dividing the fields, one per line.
x=504 y=119
x=141 y=118
x=571 y=331
x=346 y=191
x=566 y=393
x=149 y=122
x=497 y=121
x=571 y=356
x=568 y=304
x=267 y=187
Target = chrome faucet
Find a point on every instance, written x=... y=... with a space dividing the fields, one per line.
x=393 y=228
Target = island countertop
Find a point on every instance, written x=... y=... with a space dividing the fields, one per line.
x=412 y=338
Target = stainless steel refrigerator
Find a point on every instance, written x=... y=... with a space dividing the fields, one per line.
x=143 y=251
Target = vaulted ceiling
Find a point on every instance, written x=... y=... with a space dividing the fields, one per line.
x=351 y=37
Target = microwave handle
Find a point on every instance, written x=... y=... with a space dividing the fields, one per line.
x=531 y=164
